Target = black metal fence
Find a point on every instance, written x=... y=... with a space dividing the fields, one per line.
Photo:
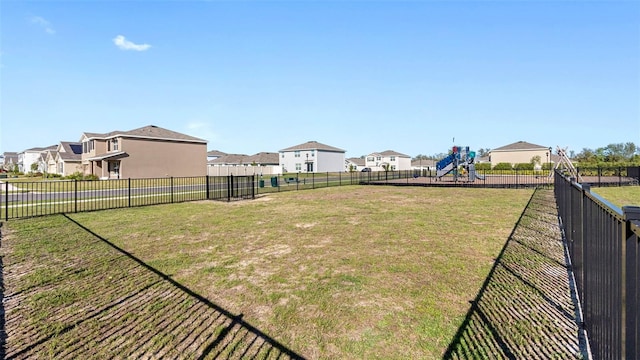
x=609 y=176
x=604 y=248
x=34 y=198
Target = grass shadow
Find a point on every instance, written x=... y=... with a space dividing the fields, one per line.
x=135 y=311
x=524 y=308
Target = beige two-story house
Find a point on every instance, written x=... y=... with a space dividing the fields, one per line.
x=521 y=152
x=147 y=152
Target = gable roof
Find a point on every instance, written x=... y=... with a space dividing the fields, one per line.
x=264 y=158
x=390 y=153
x=229 y=159
x=424 y=162
x=216 y=153
x=261 y=158
x=146 y=132
x=39 y=149
x=521 y=145
x=70 y=151
x=313 y=145
x=357 y=161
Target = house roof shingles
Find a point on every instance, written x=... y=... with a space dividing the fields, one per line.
x=357 y=161
x=70 y=151
x=521 y=145
x=392 y=153
x=147 y=132
x=313 y=145
x=216 y=153
x=262 y=158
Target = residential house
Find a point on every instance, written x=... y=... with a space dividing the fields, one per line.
x=146 y=152
x=354 y=164
x=521 y=152
x=214 y=154
x=10 y=160
x=312 y=156
x=423 y=164
x=65 y=160
x=32 y=156
x=388 y=160
x=263 y=163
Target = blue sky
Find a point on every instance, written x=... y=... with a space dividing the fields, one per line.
x=364 y=76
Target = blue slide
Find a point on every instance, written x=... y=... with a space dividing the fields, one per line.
x=444 y=166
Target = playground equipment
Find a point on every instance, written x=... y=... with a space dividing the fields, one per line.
x=566 y=164
x=459 y=159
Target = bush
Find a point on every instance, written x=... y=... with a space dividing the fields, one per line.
x=483 y=166
x=53 y=176
x=503 y=166
x=524 y=166
x=79 y=176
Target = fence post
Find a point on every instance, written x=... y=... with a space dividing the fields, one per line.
x=629 y=281
x=129 y=192
x=253 y=186
x=207 y=186
x=171 y=187
x=6 y=201
x=75 y=195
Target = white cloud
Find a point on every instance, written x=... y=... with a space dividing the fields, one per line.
x=43 y=23
x=124 y=44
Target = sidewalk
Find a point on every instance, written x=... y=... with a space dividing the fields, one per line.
x=525 y=308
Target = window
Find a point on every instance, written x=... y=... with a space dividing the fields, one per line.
x=298 y=166
x=393 y=168
x=370 y=158
x=85 y=147
x=296 y=153
x=283 y=155
x=114 y=144
x=313 y=153
x=60 y=168
x=393 y=158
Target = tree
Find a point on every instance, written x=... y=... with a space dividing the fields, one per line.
x=34 y=167
x=536 y=160
x=482 y=152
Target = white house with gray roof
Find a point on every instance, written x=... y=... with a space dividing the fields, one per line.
x=312 y=156
x=263 y=163
x=32 y=156
x=389 y=159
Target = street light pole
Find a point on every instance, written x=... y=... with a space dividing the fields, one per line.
x=549 y=159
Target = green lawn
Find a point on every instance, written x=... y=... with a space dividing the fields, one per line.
x=338 y=272
x=620 y=195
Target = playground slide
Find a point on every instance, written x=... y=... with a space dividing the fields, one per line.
x=480 y=177
x=444 y=171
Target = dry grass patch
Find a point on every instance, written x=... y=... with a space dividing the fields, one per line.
x=341 y=272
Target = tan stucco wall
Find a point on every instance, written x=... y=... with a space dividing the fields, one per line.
x=154 y=158
x=517 y=157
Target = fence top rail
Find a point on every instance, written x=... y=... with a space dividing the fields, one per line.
x=603 y=203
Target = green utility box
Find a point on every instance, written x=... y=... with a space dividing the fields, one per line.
x=261 y=183
x=274 y=181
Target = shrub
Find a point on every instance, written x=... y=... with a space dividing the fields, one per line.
x=524 y=166
x=503 y=166
x=91 y=177
x=483 y=166
x=75 y=176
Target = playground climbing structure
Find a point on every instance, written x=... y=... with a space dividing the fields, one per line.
x=460 y=159
x=565 y=163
